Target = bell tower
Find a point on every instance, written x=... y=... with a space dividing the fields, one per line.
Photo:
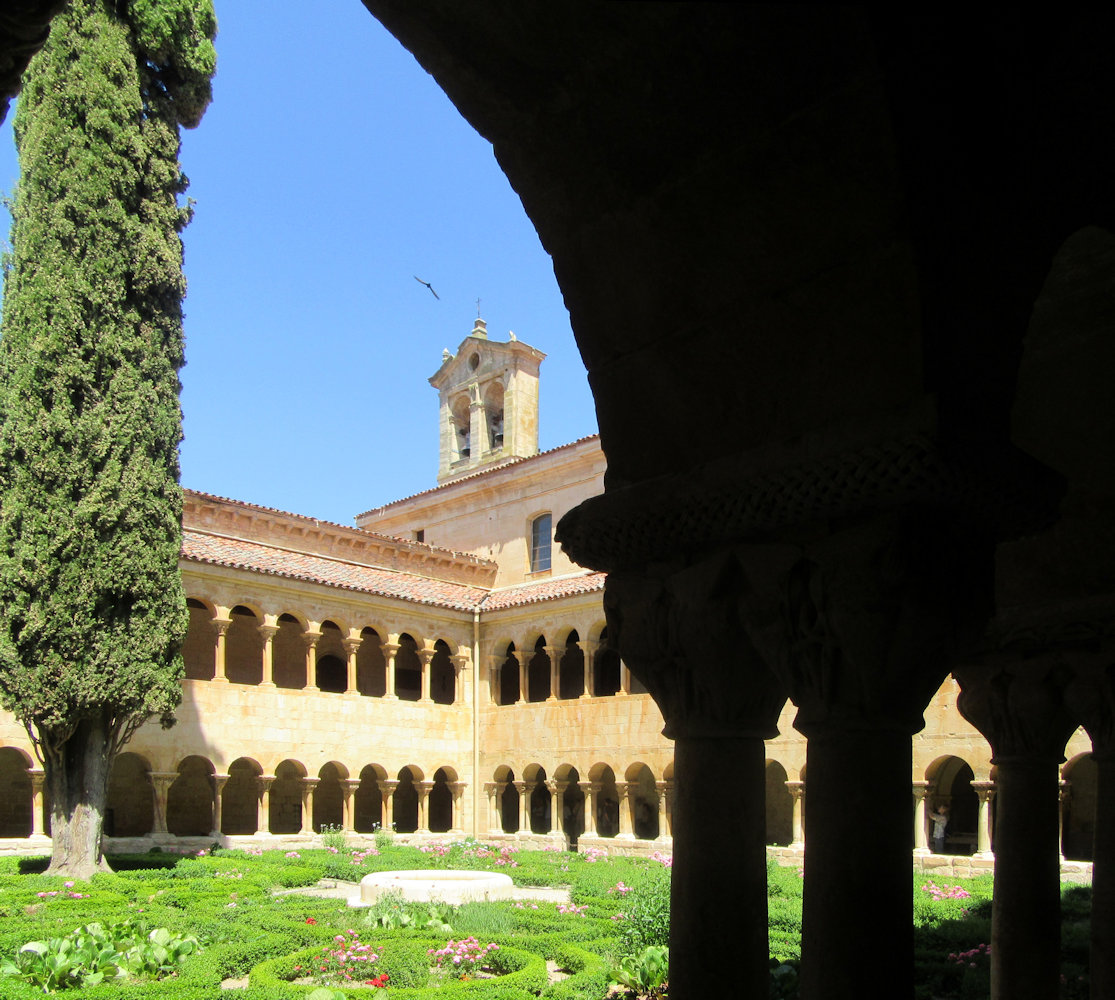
x=488 y=396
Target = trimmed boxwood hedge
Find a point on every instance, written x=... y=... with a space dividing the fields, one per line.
x=524 y=974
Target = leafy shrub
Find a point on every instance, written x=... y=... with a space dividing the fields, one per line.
x=92 y=954
x=644 y=973
x=648 y=912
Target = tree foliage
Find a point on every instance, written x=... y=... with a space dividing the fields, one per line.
x=92 y=613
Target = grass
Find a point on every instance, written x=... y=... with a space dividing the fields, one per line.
x=227 y=899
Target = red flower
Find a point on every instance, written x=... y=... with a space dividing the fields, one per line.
x=310 y=920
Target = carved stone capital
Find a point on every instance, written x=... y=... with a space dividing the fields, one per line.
x=680 y=631
x=863 y=620
x=1019 y=705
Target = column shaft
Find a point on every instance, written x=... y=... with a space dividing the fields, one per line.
x=222 y=626
x=37 y=780
x=1103 y=880
x=716 y=859
x=850 y=818
x=1026 y=908
x=921 y=842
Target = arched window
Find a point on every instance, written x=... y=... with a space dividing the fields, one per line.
x=540 y=535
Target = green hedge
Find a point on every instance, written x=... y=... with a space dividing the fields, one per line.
x=524 y=974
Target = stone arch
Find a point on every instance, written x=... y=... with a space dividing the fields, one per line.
x=129 y=804
x=1079 y=811
x=439 y=805
x=572 y=819
x=331 y=665
x=328 y=806
x=240 y=798
x=509 y=678
x=288 y=653
x=642 y=801
x=408 y=669
x=950 y=780
x=286 y=798
x=539 y=802
x=507 y=801
x=460 y=421
x=538 y=672
x=371 y=665
x=605 y=800
x=493 y=415
x=404 y=805
x=189 y=802
x=200 y=646
x=244 y=647
x=16 y=795
x=779 y=806
x=367 y=804
x=605 y=668
x=571 y=670
x=443 y=675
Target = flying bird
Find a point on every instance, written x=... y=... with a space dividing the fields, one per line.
x=429 y=286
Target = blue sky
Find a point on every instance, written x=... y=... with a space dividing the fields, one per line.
x=329 y=170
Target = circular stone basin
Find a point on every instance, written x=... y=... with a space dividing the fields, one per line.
x=425 y=885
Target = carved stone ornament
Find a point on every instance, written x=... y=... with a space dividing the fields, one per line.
x=679 y=632
x=1019 y=704
x=1006 y=492
x=863 y=622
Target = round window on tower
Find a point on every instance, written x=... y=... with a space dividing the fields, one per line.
x=474 y=362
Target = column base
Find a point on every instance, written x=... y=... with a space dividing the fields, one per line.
x=267 y=685
x=390 y=697
x=219 y=680
x=921 y=852
x=353 y=694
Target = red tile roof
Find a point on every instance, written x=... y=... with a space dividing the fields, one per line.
x=237 y=553
x=544 y=590
x=255 y=557
x=481 y=472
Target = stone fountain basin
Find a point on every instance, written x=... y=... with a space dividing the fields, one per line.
x=430 y=885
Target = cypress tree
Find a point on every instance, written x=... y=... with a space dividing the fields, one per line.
x=92 y=614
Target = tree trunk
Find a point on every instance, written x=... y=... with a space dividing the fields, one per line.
x=77 y=778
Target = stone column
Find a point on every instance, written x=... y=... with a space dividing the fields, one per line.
x=348 y=790
x=797 y=793
x=311 y=637
x=460 y=662
x=1064 y=799
x=660 y=805
x=38 y=777
x=221 y=625
x=1091 y=697
x=160 y=784
x=985 y=792
x=263 y=815
x=389 y=650
x=494 y=824
x=268 y=631
x=524 y=657
x=555 y=671
x=524 y=806
x=557 y=805
x=308 y=786
x=495 y=678
x=589 y=789
x=423 y=805
x=458 y=790
x=1017 y=702
x=424 y=657
x=387 y=790
x=624 y=679
x=219 y=782
x=1102 y=962
x=588 y=648
x=352 y=644
x=921 y=842
x=623 y=796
